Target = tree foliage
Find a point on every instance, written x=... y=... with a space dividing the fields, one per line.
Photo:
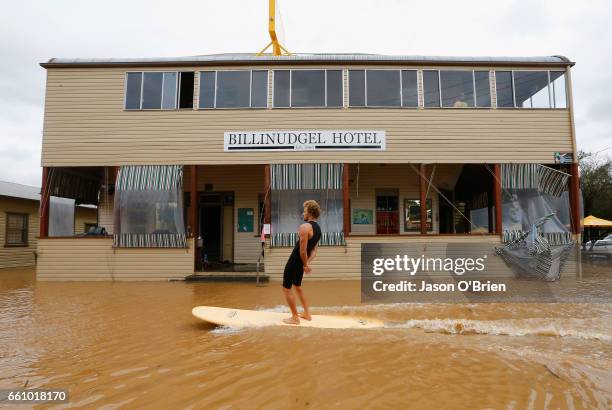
x=596 y=184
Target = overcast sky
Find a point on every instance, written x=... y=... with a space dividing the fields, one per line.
x=34 y=31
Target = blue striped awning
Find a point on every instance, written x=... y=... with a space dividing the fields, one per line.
x=306 y=176
x=282 y=239
x=534 y=176
x=149 y=177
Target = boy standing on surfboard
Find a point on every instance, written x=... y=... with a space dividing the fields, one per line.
x=304 y=251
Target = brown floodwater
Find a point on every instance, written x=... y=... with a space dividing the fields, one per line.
x=136 y=345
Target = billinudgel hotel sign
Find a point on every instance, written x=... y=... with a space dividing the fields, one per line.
x=305 y=140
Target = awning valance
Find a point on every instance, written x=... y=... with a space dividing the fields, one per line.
x=149 y=177
x=534 y=176
x=306 y=176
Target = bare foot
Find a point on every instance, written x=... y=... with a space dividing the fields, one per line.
x=293 y=320
x=306 y=316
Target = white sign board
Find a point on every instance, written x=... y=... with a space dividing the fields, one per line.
x=305 y=140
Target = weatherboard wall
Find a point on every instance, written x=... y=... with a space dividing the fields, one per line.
x=86 y=125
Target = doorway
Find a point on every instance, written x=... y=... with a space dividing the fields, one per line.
x=387 y=211
x=216 y=227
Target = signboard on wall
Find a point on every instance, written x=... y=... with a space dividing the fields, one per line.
x=304 y=140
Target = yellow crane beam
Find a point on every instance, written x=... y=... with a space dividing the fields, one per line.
x=277 y=48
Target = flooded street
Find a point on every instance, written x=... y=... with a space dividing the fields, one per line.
x=134 y=345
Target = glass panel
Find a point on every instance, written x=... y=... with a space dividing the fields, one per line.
x=457 y=88
x=152 y=90
x=186 y=92
x=259 y=89
x=286 y=211
x=412 y=215
x=307 y=88
x=357 y=88
x=410 y=94
x=281 y=88
x=334 y=88
x=431 y=88
x=383 y=88
x=233 y=89
x=531 y=89
x=61 y=216
x=132 y=91
x=557 y=79
x=503 y=88
x=483 y=89
x=169 y=98
x=16 y=229
x=207 y=89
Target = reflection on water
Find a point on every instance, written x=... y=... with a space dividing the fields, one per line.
x=132 y=345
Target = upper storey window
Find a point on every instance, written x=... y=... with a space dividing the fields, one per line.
x=234 y=89
x=531 y=89
x=156 y=90
x=456 y=88
x=383 y=88
x=307 y=88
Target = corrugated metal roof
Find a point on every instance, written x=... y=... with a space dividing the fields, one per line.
x=14 y=190
x=234 y=58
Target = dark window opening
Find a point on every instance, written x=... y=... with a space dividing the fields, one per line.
x=186 y=89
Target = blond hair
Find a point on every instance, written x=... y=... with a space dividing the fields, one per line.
x=312 y=207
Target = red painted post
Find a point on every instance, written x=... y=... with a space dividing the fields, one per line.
x=346 y=212
x=497 y=198
x=423 y=192
x=574 y=198
x=44 y=204
x=267 y=194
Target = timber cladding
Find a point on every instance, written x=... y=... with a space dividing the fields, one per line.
x=86 y=125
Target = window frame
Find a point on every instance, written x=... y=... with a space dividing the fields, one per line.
x=250 y=107
x=25 y=231
x=551 y=95
x=365 y=84
x=161 y=103
x=325 y=70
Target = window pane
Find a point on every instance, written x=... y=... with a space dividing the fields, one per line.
x=357 y=88
x=531 y=88
x=457 y=88
x=169 y=98
x=152 y=90
x=281 y=88
x=431 y=88
x=383 y=88
x=186 y=92
x=259 y=89
x=557 y=79
x=233 y=89
x=334 y=88
x=410 y=94
x=483 y=89
x=307 y=88
x=16 y=229
x=132 y=91
x=207 y=89
x=503 y=88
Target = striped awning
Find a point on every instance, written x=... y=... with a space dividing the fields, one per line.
x=283 y=239
x=68 y=184
x=149 y=177
x=534 y=176
x=306 y=176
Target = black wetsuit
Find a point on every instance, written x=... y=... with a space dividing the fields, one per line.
x=294 y=269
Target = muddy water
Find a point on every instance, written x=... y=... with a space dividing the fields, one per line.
x=135 y=345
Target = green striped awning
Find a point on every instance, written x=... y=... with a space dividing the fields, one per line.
x=306 y=176
x=149 y=177
x=139 y=240
x=551 y=181
x=284 y=239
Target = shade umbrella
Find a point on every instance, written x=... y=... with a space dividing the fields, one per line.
x=594 y=222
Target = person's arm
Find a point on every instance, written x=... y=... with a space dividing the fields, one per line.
x=303 y=235
x=312 y=254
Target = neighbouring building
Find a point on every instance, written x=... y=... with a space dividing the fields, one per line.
x=19 y=222
x=397 y=149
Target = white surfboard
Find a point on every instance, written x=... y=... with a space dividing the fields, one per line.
x=238 y=318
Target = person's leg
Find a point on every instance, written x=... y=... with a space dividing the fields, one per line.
x=294 y=319
x=306 y=314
